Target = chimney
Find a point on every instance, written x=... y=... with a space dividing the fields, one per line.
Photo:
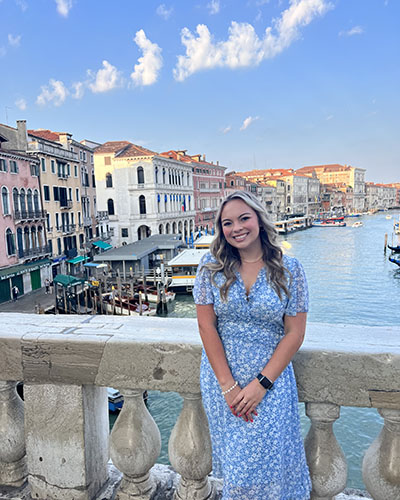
x=217 y=163
x=204 y=157
x=22 y=138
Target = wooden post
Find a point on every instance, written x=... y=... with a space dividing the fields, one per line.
x=65 y=300
x=154 y=276
x=384 y=248
x=140 y=303
x=55 y=287
x=101 y=296
x=113 y=299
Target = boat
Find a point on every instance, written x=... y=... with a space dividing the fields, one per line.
x=395 y=259
x=184 y=268
x=329 y=222
x=152 y=295
x=396 y=227
x=395 y=249
x=353 y=215
x=126 y=306
x=357 y=224
x=388 y=217
x=115 y=399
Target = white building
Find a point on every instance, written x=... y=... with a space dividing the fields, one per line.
x=143 y=192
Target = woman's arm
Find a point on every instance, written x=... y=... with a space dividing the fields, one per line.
x=251 y=395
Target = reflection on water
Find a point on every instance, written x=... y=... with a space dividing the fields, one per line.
x=351 y=281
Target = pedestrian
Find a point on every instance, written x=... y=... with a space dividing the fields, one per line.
x=251 y=309
x=47 y=285
x=15 y=292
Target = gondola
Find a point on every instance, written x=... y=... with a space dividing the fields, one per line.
x=395 y=249
x=395 y=259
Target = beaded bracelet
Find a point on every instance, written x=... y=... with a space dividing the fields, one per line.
x=230 y=389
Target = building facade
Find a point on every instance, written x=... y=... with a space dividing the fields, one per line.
x=143 y=192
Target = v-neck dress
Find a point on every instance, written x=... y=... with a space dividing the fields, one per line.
x=263 y=460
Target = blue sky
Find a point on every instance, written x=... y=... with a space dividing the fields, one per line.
x=250 y=83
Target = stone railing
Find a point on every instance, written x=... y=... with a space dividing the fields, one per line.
x=58 y=438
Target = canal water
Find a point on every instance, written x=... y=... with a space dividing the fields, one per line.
x=351 y=281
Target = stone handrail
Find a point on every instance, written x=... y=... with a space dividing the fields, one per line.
x=66 y=362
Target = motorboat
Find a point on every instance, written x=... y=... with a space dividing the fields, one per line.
x=357 y=224
x=127 y=306
x=329 y=222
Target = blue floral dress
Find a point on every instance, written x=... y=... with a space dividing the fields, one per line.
x=263 y=460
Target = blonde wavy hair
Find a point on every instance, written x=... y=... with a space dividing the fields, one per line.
x=228 y=258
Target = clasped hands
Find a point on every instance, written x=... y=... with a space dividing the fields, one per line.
x=243 y=402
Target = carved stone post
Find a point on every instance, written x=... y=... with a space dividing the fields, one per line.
x=381 y=464
x=190 y=451
x=12 y=438
x=327 y=464
x=135 y=444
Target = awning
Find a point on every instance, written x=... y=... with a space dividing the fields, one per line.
x=102 y=244
x=67 y=280
x=93 y=264
x=77 y=260
x=10 y=272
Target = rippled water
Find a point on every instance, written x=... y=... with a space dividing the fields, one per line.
x=351 y=281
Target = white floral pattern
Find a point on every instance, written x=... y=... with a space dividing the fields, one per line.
x=263 y=460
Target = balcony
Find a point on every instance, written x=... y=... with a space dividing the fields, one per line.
x=68 y=204
x=62 y=175
x=34 y=252
x=66 y=419
x=59 y=152
x=68 y=228
x=87 y=221
x=29 y=215
x=102 y=216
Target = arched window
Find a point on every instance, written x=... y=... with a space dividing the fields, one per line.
x=10 y=242
x=4 y=199
x=16 y=199
x=142 y=204
x=20 y=243
x=160 y=229
x=27 y=239
x=109 y=180
x=22 y=199
x=156 y=175
x=29 y=200
x=36 y=200
x=33 y=235
x=110 y=206
x=163 y=175
x=40 y=237
x=140 y=175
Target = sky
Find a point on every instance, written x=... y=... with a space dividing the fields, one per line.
x=249 y=83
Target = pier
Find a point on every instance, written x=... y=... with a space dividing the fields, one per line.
x=56 y=442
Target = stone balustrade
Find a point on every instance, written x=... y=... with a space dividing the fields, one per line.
x=58 y=439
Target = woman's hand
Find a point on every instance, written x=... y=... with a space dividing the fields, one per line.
x=230 y=398
x=247 y=399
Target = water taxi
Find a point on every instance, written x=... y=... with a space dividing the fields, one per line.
x=184 y=268
x=329 y=222
x=357 y=224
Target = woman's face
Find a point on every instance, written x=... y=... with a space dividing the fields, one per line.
x=240 y=225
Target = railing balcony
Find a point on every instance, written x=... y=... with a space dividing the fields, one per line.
x=57 y=151
x=102 y=215
x=25 y=215
x=87 y=221
x=67 y=205
x=68 y=228
x=58 y=438
x=34 y=252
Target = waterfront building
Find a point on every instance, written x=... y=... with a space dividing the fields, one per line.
x=296 y=194
x=380 y=196
x=143 y=192
x=208 y=186
x=396 y=185
x=333 y=198
x=23 y=247
x=335 y=174
x=234 y=181
x=269 y=200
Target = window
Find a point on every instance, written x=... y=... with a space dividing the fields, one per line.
x=15 y=199
x=36 y=201
x=59 y=246
x=91 y=158
x=142 y=204
x=110 y=206
x=93 y=179
x=46 y=193
x=70 y=194
x=84 y=156
x=107 y=160
x=53 y=166
x=22 y=200
x=80 y=155
x=3 y=165
x=140 y=175
x=77 y=194
x=56 y=194
x=63 y=196
x=48 y=222
x=43 y=164
x=124 y=232
x=79 y=219
x=4 y=198
x=34 y=170
x=13 y=167
x=10 y=242
x=68 y=169
x=109 y=180
x=29 y=200
x=75 y=170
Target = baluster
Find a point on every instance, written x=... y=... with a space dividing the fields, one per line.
x=381 y=464
x=327 y=464
x=12 y=437
x=189 y=451
x=135 y=444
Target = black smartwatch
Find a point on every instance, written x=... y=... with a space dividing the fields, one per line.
x=265 y=382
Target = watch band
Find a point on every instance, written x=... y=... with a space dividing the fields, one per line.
x=265 y=382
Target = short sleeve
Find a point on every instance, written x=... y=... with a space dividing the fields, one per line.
x=202 y=290
x=298 y=301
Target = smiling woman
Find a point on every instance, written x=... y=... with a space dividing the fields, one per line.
x=251 y=308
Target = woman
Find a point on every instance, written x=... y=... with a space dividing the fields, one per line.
x=251 y=309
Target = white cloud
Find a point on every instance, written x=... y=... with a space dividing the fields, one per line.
x=356 y=30
x=22 y=5
x=21 y=104
x=106 y=79
x=248 y=121
x=164 y=12
x=226 y=129
x=14 y=41
x=79 y=90
x=55 y=93
x=214 y=6
x=148 y=67
x=63 y=7
x=243 y=47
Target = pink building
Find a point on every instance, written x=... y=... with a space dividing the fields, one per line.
x=23 y=248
